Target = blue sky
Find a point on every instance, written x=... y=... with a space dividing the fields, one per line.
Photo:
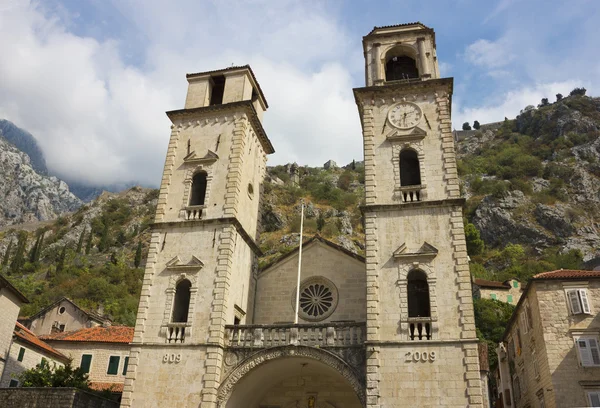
x=92 y=79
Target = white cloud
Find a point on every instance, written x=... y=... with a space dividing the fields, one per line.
x=101 y=120
x=511 y=103
x=490 y=54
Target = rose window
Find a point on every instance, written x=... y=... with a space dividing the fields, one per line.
x=318 y=299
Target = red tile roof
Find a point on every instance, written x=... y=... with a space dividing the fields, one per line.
x=111 y=334
x=567 y=274
x=101 y=386
x=25 y=335
x=491 y=284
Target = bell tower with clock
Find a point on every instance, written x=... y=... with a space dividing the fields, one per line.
x=421 y=343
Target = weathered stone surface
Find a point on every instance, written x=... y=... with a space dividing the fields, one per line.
x=52 y=398
x=555 y=219
x=26 y=195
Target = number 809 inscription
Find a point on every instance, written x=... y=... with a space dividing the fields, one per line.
x=420 y=356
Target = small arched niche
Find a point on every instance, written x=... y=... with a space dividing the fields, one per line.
x=401 y=63
x=181 y=305
x=418 y=294
x=198 y=188
x=410 y=169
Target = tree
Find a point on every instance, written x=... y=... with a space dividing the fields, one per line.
x=578 y=92
x=491 y=318
x=7 y=253
x=44 y=375
x=466 y=126
x=320 y=222
x=138 y=255
x=476 y=125
x=19 y=260
x=475 y=244
x=61 y=260
x=353 y=164
x=34 y=254
x=544 y=102
x=80 y=242
x=88 y=245
x=104 y=244
x=558 y=97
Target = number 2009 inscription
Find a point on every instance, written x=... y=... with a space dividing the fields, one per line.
x=418 y=356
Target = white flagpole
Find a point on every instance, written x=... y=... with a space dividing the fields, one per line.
x=299 y=265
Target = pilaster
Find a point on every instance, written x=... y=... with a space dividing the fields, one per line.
x=167 y=173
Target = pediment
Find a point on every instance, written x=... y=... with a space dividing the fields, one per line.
x=397 y=135
x=209 y=157
x=425 y=251
x=176 y=263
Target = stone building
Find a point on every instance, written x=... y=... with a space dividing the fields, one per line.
x=26 y=352
x=103 y=352
x=393 y=329
x=550 y=353
x=10 y=304
x=508 y=291
x=62 y=315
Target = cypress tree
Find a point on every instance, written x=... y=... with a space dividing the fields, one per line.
x=19 y=260
x=103 y=245
x=138 y=255
x=38 y=253
x=80 y=243
x=7 y=254
x=61 y=260
x=34 y=250
x=88 y=245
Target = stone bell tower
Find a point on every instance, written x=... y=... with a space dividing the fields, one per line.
x=202 y=255
x=421 y=342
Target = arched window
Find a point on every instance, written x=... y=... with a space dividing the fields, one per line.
x=410 y=172
x=400 y=67
x=181 y=305
x=418 y=294
x=198 y=189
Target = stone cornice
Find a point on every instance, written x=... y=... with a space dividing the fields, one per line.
x=227 y=220
x=450 y=202
x=231 y=108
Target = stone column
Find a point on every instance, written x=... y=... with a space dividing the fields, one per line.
x=423 y=57
x=377 y=69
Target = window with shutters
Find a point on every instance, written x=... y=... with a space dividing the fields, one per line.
x=518 y=345
x=578 y=301
x=21 y=354
x=516 y=388
x=86 y=362
x=113 y=365
x=529 y=316
x=524 y=322
x=523 y=380
x=589 y=351
x=594 y=398
x=13 y=383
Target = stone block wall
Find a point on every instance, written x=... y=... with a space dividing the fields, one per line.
x=10 y=307
x=52 y=398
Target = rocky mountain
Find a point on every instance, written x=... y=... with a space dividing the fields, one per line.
x=25 y=142
x=28 y=195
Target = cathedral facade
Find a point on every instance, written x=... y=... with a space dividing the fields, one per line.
x=392 y=329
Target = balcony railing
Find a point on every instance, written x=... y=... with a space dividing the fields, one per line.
x=410 y=194
x=176 y=332
x=194 y=212
x=322 y=334
x=419 y=328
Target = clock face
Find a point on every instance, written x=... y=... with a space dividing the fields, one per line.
x=405 y=115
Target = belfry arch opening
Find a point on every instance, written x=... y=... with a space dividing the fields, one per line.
x=400 y=64
x=291 y=381
x=418 y=294
x=410 y=169
x=181 y=304
x=198 y=188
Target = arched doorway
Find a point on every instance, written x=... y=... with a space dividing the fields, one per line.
x=292 y=376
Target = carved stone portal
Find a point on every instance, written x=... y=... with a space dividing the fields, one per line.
x=348 y=362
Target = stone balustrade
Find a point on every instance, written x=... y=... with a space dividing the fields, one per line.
x=410 y=194
x=194 y=212
x=176 y=332
x=321 y=334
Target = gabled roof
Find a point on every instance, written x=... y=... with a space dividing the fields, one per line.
x=23 y=334
x=491 y=284
x=567 y=274
x=4 y=283
x=315 y=238
x=92 y=315
x=98 y=334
